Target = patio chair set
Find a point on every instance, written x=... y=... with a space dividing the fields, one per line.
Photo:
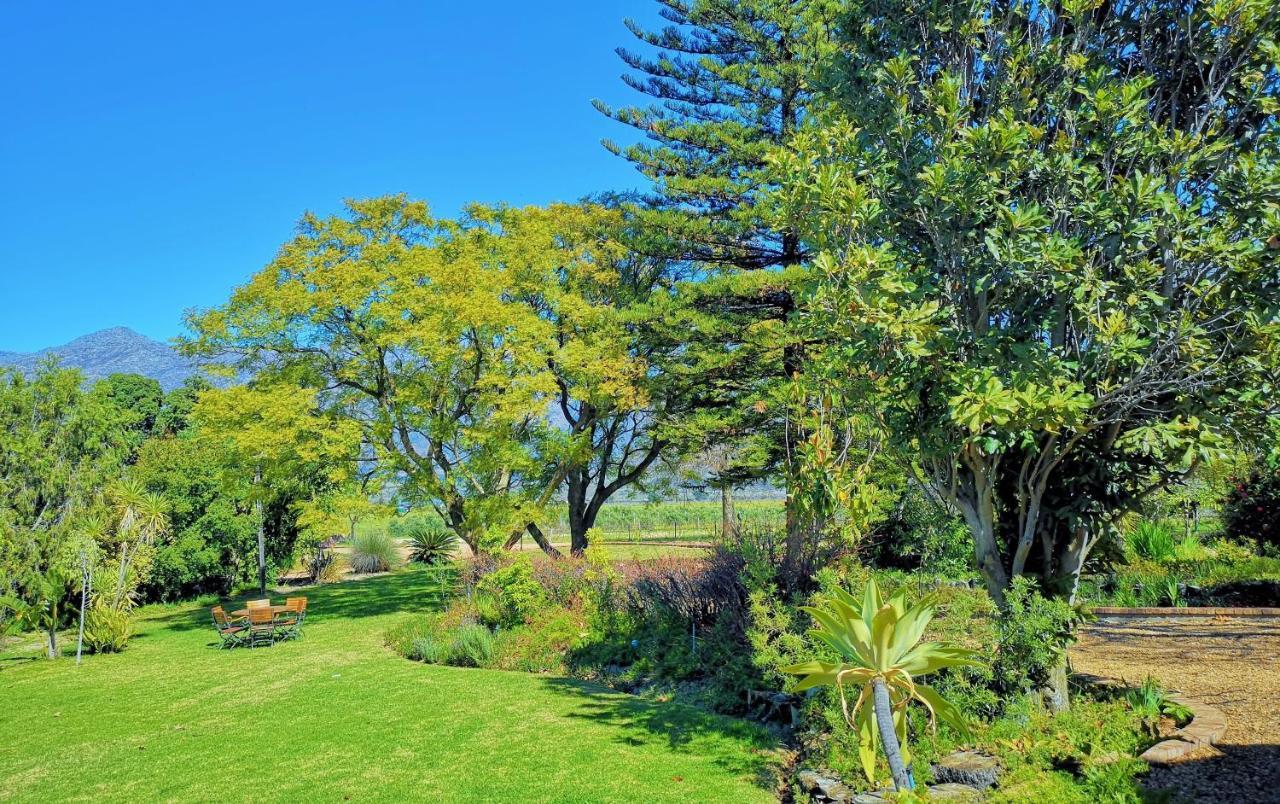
x=261 y=623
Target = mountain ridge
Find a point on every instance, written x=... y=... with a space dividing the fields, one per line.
x=110 y=351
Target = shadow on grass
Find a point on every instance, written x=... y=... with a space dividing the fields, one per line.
x=412 y=589
x=747 y=749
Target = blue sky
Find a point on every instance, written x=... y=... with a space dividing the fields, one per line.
x=154 y=155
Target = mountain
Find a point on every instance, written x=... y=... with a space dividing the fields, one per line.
x=110 y=351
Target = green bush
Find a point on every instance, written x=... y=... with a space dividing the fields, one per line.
x=472 y=646
x=430 y=650
x=107 y=629
x=373 y=551
x=1033 y=634
x=432 y=546
x=510 y=594
x=1153 y=541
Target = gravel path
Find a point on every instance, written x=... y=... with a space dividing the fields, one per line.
x=1230 y=663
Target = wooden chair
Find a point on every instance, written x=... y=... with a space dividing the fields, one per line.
x=262 y=626
x=232 y=632
x=265 y=603
x=289 y=621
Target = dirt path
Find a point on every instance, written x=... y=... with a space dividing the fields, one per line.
x=1230 y=663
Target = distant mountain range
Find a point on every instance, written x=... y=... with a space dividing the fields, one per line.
x=111 y=351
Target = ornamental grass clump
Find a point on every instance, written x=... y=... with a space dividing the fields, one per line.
x=879 y=649
x=374 y=551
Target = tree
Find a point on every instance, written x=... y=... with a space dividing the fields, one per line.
x=732 y=82
x=1047 y=237
x=59 y=446
x=447 y=343
x=139 y=517
x=276 y=447
x=138 y=400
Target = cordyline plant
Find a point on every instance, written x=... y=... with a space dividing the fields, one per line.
x=879 y=646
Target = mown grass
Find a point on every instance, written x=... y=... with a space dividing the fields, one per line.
x=337 y=716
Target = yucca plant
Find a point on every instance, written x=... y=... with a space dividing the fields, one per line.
x=432 y=546
x=880 y=652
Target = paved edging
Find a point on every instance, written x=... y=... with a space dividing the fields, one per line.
x=1184 y=611
x=1208 y=724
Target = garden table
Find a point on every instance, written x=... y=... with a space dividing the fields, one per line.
x=274 y=611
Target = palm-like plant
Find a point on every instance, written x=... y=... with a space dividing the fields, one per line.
x=432 y=546
x=879 y=646
x=141 y=517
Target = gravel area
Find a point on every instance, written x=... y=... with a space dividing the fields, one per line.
x=1230 y=663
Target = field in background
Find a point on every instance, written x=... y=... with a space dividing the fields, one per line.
x=633 y=523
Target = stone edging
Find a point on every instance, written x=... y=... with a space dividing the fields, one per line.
x=1208 y=724
x=1184 y=611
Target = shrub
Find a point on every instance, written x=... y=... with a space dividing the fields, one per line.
x=432 y=546
x=1034 y=633
x=430 y=650
x=373 y=551
x=1153 y=541
x=472 y=646
x=1252 y=510
x=510 y=594
x=107 y=629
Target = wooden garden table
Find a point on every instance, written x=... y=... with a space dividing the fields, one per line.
x=274 y=611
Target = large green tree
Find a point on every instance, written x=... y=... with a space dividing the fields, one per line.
x=58 y=447
x=448 y=343
x=1048 y=238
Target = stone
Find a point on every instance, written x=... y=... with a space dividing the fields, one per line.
x=1167 y=751
x=824 y=786
x=952 y=791
x=967 y=768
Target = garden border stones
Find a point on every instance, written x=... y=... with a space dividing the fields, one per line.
x=1208 y=724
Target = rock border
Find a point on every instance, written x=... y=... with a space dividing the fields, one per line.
x=1184 y=611
x=1208 y=724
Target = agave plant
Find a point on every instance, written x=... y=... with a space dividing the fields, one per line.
x=432 y=546
x=880 y=652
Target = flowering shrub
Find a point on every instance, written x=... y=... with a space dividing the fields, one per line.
x=1252 y=509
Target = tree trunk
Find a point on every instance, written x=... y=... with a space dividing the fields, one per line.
x=902 y=779
x=86 y=578
x=262 y=553
x=53 y=639
x=728 y=519
x=542 y=540
x=1055 y=694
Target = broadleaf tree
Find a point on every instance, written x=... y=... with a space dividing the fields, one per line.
x=1047 y=236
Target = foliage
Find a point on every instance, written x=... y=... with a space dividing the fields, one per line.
x=1049 y=284
x=877 y=643
x=472 y=646
x=1152 y=540
x=373 y=551
x=920 y=534
x=432 y=546
x=1034 y=633
x=107 y=629
x=1252 y=510
x=1150 y=701
x=503 y=312
x=60 y=446
x=510 y=595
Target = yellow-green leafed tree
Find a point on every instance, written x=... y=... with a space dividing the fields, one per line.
x=444 y=344
x=274 y=437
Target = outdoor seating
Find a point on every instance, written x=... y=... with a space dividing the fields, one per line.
x=289 y=621
x=261 y=623
x=232 y=632
x=262 y=626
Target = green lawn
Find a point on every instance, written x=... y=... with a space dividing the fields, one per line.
x=337 y=716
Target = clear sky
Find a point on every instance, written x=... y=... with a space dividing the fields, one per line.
x=153 y=155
